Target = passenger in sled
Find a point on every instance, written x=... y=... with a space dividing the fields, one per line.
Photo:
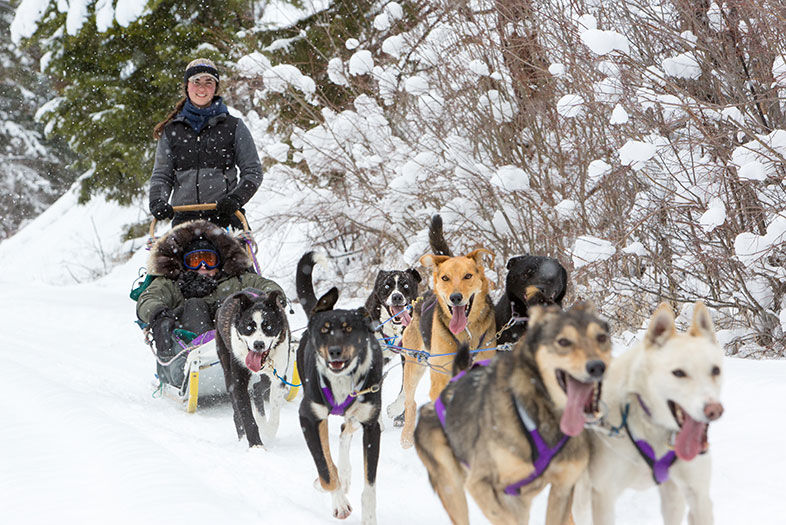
x=195 y=266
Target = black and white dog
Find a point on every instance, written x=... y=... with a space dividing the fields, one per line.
x=252 y=338
x=389 y=305
x=531 y=280
x=340 y=364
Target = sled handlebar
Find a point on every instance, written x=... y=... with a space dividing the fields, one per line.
x=199 y=207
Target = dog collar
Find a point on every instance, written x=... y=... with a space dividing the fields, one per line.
x=659 y=466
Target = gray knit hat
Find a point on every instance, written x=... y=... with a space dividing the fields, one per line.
x=200 y=67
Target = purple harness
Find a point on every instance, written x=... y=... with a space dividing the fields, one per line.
x=542 y=453
x=660 y=466
x=337 y=410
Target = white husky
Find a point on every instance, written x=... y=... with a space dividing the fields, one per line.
x=661 y=396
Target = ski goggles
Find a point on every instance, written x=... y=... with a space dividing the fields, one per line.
x=207 y=258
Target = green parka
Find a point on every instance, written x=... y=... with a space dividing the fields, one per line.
x=166 y=263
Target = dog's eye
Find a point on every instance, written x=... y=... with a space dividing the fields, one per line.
x=679 y=372
x=348 y=328
x=406 y=287
x=468 y=276
x=445 y=278
x=387 y=287
x=250 y=328
x=324 y=329
x=602 y=338
x=716 y=370
x=563 y=341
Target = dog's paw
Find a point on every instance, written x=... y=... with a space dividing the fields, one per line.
x=341 y=507
x=396 y=408
x=258 y=446
x=407 y=441
x=398 y=421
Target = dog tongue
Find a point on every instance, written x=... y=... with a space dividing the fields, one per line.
x=401 y=314
x=572 y=422
x=459 y=320
x=254 y=361
x=689 y=439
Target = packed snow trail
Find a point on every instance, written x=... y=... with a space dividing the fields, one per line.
x=83 y=439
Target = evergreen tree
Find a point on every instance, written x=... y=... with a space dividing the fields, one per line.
x=33 y=170
x=115 y=85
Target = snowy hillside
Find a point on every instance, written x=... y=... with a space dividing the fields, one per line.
x=85 y=441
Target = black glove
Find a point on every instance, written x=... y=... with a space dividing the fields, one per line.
x=162 y=324
x=227 y=206
x=161 y=210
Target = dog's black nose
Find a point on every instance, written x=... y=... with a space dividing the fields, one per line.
x=259 y=346
x=397 y=299
x=334 y=352
x=456 y=298
x=596 y=368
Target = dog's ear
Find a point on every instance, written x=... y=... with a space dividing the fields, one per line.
x=327 y=301
x=414 y=273
x=381 y=275
x=563 y=273
x=661 y=327
x=477 y=256
x=433 y=261
x=245 y=298
x=277 y=298
x=368 y=321
x=701 y=325
x=513 y=261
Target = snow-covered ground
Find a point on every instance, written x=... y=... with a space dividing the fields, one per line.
x=84 y=440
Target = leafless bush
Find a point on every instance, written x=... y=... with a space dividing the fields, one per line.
x=470 y=120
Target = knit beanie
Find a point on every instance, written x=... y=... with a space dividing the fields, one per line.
x=200 y=67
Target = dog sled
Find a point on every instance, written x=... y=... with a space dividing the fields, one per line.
x=203 y=376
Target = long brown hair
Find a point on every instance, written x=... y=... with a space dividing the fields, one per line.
x=159 y=128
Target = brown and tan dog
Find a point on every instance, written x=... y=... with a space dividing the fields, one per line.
x=507 y=430
x=457 y=310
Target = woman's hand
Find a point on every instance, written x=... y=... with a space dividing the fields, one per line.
x=161 y=210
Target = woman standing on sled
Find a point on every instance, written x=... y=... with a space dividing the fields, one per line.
x=200 y=149
x=196 y=265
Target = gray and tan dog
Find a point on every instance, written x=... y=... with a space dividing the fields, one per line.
x=506 y=430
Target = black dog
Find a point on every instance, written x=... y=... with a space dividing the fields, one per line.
x=531 y=280
x=340 y=364
x=252 y=338
x=389 y=303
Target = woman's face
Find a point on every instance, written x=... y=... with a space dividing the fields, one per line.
x=201 y=91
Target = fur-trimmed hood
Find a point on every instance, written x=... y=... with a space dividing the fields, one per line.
x=166 y=255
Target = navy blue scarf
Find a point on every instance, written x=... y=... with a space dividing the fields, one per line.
x=198 y=117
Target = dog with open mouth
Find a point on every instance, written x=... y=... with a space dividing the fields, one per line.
x=389 y=305
x=340 y=364
x=253 y=339
x=662 y=396
x=505 y=429
x=457 y=310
